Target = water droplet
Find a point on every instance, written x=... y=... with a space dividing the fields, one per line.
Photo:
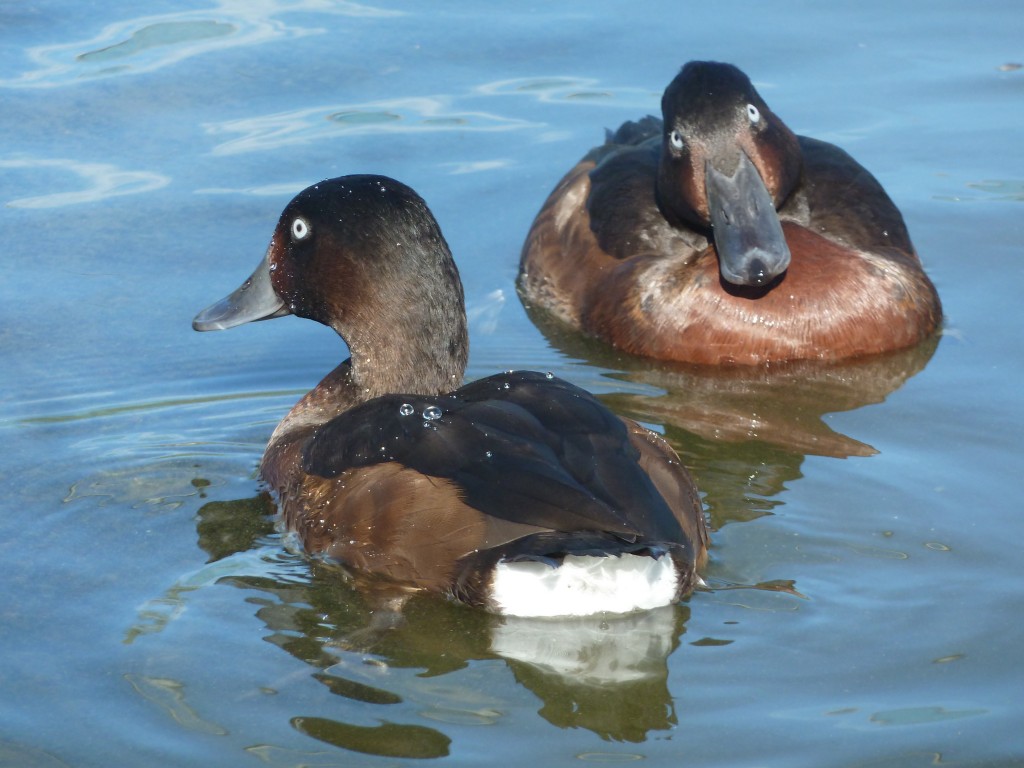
x=406 y=409
x=272 y=267
x=488 y=454
x=549 y=375
x=431 y=412
x=505 y=386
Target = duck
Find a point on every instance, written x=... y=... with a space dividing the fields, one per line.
x=518 y=493
x=717 y=236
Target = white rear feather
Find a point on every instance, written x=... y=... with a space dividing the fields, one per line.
x=584 y=584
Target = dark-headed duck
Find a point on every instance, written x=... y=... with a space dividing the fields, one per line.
x=717 y=236
x=519 y=492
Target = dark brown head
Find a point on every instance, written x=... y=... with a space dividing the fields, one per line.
x=365 y=256
x=727 y=164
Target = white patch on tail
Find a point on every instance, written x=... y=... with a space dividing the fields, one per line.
x=584 y=584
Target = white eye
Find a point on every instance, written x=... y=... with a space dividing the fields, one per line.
x=676 y=140
x=753 y=113
x=300 y=229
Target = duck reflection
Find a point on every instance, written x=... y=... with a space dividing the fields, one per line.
x=608 y=674
x=744 y=431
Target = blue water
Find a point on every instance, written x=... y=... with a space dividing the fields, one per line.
x=864 y=595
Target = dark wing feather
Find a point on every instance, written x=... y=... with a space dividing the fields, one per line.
x=632 y=133
x=862 y=216
x=622 y=206
x=520 y=446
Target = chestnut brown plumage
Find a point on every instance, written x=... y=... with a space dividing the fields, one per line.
x=393 y=469
x=718 y=236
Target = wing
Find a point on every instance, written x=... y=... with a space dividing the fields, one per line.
x=518 y=446
x=388 y=520
x=622 y=206
x=676 y=486
x=845 y=202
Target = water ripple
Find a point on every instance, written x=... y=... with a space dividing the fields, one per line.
x=483 y=313
x=401 y=115
x=103 y=179
x=148 y=43
x=423 y=114
x=577 y=90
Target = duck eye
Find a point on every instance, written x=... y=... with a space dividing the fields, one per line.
x=676 y=140
x=300 y=229
x=753 y=113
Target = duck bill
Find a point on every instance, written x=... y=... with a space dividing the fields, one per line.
x=254 y=299
x=752 y=250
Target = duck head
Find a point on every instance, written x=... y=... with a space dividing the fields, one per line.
x=728 y=163
x=364 y=256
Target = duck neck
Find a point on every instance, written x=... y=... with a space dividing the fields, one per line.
x=403 y=358
x=406 y=358
x=406 y=336
x=410 y=335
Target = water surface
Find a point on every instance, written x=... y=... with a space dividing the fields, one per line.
x=864 y=588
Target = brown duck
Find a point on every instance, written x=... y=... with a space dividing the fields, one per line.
x=717 y=236
x=519 y=492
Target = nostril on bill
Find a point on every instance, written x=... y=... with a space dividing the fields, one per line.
x=758 y=272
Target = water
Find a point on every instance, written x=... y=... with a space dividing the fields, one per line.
x=864 y=596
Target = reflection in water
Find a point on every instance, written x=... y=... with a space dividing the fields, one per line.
x=606 y=674
x=410 y=666
x=227 y=527
x=148 y=43
x=387 y=739
x=103 y=180
x=169 y=695
x=744 y=432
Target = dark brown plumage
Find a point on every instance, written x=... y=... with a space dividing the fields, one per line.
x=718 y=236
x=389 y=468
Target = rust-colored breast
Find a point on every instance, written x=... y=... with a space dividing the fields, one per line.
x=561 y=260
x=833 y=302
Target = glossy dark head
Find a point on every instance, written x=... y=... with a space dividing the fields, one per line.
x=727 y=163
x=365 y=256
